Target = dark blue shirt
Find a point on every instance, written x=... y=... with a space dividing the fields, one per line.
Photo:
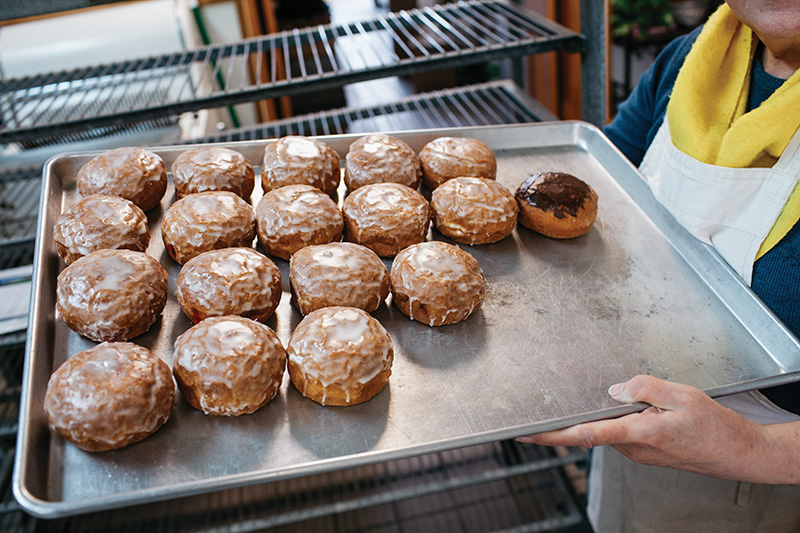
x=776 y=275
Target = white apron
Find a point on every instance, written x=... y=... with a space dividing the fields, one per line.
x=733 y=210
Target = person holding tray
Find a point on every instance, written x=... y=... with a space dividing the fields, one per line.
x=713 y=126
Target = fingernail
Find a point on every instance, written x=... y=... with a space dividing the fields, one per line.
x=615 y=391
x=619 y=393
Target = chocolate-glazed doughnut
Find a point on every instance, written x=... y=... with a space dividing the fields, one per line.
x=557 y=205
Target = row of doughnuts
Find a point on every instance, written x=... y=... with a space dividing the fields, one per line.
x=117 y=393
x=140 y=176
x=385 y=216
x=418 y=273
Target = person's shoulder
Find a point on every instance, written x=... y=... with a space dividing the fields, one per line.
x=671 y=58
x=641 y=114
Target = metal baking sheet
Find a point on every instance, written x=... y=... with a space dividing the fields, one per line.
x=562 y=321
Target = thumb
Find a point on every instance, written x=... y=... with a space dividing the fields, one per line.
x=647 y=389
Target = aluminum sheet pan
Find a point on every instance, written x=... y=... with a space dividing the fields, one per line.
x=562 y=321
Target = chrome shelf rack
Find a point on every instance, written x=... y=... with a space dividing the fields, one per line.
x=314 y=58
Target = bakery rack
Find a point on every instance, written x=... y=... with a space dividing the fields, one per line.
x=313 y=58
x=497 y=486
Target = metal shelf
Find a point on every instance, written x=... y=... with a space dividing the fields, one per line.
x=493 y=487
x=492 y=103
x=314 y=58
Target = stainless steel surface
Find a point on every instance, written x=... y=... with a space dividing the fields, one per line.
x=562 y=321
x=314 y=58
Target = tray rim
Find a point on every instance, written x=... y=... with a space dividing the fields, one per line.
x=709 y=266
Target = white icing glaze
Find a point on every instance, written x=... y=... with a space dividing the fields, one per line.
x=452 y=157
x=343 y=273
x=206 y=221
x=458 y=148
x=213 y=168
x=120 y=378
x=340 y=345
x=109 y=290
x=298 y=213
x=122 y=171
x=472 y=209
x=297 y=147
x=229 y=281
x=442 y=278
x=245 y=357
x=101 y=221
x=381 y=159
x=393 y=210
x=294 y=160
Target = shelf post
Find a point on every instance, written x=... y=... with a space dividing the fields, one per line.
x=594 y=65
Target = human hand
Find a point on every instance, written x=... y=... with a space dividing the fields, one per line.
x=684 y=428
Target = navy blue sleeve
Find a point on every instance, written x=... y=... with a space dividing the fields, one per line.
x=642 y=113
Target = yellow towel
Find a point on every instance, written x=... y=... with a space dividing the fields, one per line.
x=706 y=111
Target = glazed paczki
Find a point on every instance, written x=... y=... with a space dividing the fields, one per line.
x=436 y=283
x=386 y=217
x=295 y=216
x=112 y=295
x=207 y=221
x=473 y=210
x=557 y=205
x=109 y=396
x=381 y=159
x=297 y=160
x=231 y=281
x=340 y=356
x=445 y=158
x=337 y=274
x=213 y=168
x=228 y=365
x=99 y=222
x=133 y=173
